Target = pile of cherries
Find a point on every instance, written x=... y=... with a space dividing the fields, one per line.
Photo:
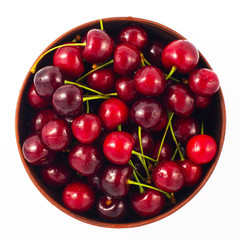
x=113 y=131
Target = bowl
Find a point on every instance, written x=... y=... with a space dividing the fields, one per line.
x=215 y=124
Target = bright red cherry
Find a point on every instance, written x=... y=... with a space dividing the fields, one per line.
x=126 y=59
x=179 y=99
x=168 y=176
x=56 y=134
x=203 y=82
x=69 y=59
x=99 y=46
x=86 y=127
x=35 y=152
x=113 y=112
x=118 y=146
x=149 y=203
x=135 y=35
x=201 y=148
x=78 y=197
x=181 y=54
x=149 y=81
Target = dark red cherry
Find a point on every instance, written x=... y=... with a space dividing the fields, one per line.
x=135 y=35
x=203 y=82
x=35 y=152
x=179 y=99
x=111 y=209
x=126 y=59
x=85 y=159
x=126 y=90
x=113 y=180
x=149 y=81
x=113 y=112
x=184 y=128
x=41 y=118
x=47 y=80
x=57 y=175
x=69 y=59
x=118 y=146
x=192 y=172
x=182 y=54
x=56 y=134
x=203 y=102
x=102 y=80
x=35 y=101
x=201 y=149
x=67 y=100
x=168 y=176
x=94 y=181
x=163 y=122
x=78 y=197
x=99 y=46
x=148 y=204
x=147 y=113
x=86 y=127
x=166 y=151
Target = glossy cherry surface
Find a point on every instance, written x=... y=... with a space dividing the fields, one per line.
x=85 y=159
x=118 y=146
x=56 y=134
x=149 y=81
x=203 y=102
x=86 y=127
x=201 y=148
x=166 y=151
x=78 y=197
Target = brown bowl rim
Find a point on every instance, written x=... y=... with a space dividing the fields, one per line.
x=142 y=222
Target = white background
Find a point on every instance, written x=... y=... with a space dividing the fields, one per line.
x=28 y=27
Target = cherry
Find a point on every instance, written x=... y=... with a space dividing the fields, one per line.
x=180 y=54
x=57 y=175
x=69 y=59
x=135 y=35
x=111 y=209
x=56 y=134
x=149 y=203
x=168 y=176
x=184 y=128
x=149 y=81
x=113 y=180
x=99 y=46
x=203 y=82
x=35 y=152
x=126 y=90
x=94 y=181
x=67 y=100
x=86 y=127
x=201 y=148
x=192 y=172
x=118 y=146
x=113 y=112
x=78 y=197
x=41 y=118
x=102 y=80
x=163 y=122
x=179 y=99
x=203 y=102
x=35 y=101
x=85 y=158
x=147 y=113
x=126 y=59
x=47 y=80
x=166 y=150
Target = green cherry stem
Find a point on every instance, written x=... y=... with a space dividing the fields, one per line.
x=136 y=171
x=174 y=154
x=142 y=155
x=141 y=189
x=33 y=69
x=119 y=127
x=202 y=126
x=94 y=97
x=101 y=24
x=173 y=69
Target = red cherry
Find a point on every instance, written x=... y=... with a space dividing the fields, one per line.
x=78 y=197
x=99 y=46
x=113 y=112
x=201 y=149
x=118 y=146
x=166 y=151
x=203 y=102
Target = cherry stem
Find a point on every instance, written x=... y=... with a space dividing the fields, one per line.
x=164 y=135
x=135 y=169
x=94 y=97
x=101 y=24
x=202 y=126
x=33 y=69
x=87 y=106
x=95 y=69
x=173 y=69
x=142 y=155
x=141 y=189
x=142 y=60
x=174 y=154
x=119 y=127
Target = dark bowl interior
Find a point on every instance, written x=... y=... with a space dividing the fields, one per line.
x=214 y=124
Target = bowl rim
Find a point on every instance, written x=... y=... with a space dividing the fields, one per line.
x=144 y=221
